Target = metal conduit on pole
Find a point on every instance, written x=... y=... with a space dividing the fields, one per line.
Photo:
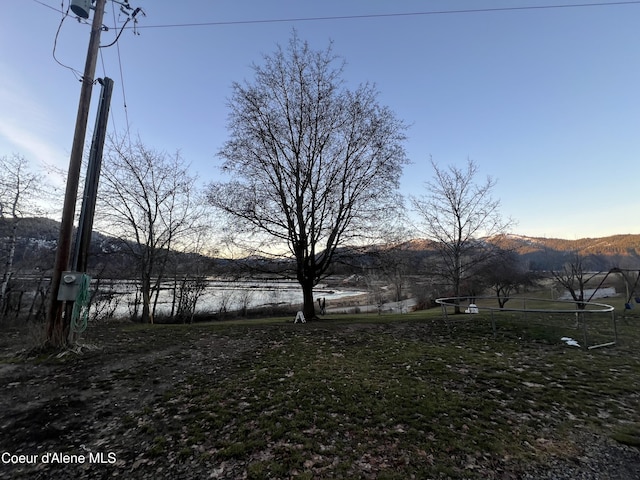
x=77 y=311
x=87 y=212
x=57 y=326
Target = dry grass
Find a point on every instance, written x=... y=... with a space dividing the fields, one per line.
x=353 y=397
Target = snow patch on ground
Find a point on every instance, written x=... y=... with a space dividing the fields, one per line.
x=570 y=341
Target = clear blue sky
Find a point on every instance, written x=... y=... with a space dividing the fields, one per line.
x=545 y=100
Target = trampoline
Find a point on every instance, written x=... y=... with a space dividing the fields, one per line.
x=527 y=305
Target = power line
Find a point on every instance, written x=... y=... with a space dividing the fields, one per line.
x=62 y=11
x=377 y=15
x=388 y=15
x=78 y=74
x=129 y=18
x=75 y=72
x=124 y=97
x=49 y=6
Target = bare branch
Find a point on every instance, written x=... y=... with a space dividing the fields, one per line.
x=457 y=214
x=313 y=165
x=147 y=200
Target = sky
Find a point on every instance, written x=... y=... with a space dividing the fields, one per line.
x=544 y=95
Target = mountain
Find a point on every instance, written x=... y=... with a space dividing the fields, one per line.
x=603 y=253
x=536 y=253
x=614 y=245
x=39 y=228
x=35 y=249
x=37 y=238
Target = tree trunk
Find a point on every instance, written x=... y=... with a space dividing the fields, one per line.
x=154 y=293
x=457 y=290
x=308 y=308
x=38 y=292
x=457 y=277
x=6 y=278
x=175 y=296
x=147 y=317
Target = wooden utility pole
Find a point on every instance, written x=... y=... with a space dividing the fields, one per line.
x=57 y=326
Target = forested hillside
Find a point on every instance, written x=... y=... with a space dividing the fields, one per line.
x=621 y=251
x=37 y=238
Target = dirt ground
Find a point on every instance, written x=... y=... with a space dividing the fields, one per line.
x=76 y=405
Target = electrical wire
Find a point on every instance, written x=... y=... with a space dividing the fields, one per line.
x=378 y=15
x=49 y=6
x=122 y=85
x=389 y=15
x=117 y=36
x=307 y=19
x=80 y=312
x=124 y=96
x=75 y=72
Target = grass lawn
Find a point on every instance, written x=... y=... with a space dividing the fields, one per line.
x=393 y=396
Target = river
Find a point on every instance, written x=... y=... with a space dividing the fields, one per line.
x=220 y=296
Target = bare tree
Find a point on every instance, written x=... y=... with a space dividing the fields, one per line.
x=574 y=277
x=457 y=213
x=504 y=274
x=20 y=187
x=191 y=268
x=313 y=165
x=149 y=201
x=189 y=291
x=392 y=262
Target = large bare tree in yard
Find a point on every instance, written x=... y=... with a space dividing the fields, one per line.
x=313 y=165
x=457 y=214
x=149 y=201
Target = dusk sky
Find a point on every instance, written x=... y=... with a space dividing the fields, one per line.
x=544 y=95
